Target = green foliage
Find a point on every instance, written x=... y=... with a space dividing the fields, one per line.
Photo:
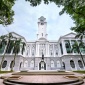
x=10 y=46
x=9 y=38
x=5 y=72
x=77 y=47
x=5 y=39
x=6 y=12
x=82 y=71
x=3 y=43
x=17 y=46
x=10 y=43
x=23 y=47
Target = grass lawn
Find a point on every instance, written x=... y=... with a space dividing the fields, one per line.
x=5 y=72
x=82 y=71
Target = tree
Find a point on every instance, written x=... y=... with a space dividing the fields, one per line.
x=6 y=12
x=17 y=47
x=77 y=48
x=5 y=39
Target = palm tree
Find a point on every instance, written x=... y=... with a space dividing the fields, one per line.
x=23 y=47
x=5 y=39
x=2 y=44
x=16 y=50
x=80 y=35
x=77 y=47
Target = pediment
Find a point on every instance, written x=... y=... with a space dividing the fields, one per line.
x=17 y=35
x=69 y=35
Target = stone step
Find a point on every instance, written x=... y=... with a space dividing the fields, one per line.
x=42 y=72
x=14 y=82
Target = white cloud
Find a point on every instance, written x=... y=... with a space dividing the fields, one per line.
x=26 y=17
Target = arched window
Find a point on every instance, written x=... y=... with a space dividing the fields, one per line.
x=42 y=23
x=32 y=52
x=26 y=64
x=51 y=53
x=58 y=64
x=72 y=64
x=52 y=64
x=12 y=64
x=32 y=64
x=42 y=34
x=56 y=53
x=4 y=64
x=80 y=64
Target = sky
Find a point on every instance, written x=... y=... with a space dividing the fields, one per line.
x=26 y=18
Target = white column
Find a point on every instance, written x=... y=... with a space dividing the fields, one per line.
x=36 y=49
x=48 y=50
x=12 y=51
x=63 y=47
x=5 y=49
x=53 y=51
x=30 y=51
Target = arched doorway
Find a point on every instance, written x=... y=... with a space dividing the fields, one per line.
x=52 y=64
x=4 y=64
x=26 y=64
x=42 y=65
x=72 y=63
x=80 y=64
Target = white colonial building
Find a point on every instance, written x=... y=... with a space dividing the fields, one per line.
x=43 y=54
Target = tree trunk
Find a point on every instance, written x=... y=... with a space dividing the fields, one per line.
x=3 y=57
x=13 y=62
x=2 y=61
x=82 y=58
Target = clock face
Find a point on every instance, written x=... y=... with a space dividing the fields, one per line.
x=42 y=23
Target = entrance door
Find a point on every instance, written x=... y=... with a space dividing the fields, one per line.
x=42 y=65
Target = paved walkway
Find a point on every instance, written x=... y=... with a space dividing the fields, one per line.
x=78 y=74
x=1 y=80
x=42 y=78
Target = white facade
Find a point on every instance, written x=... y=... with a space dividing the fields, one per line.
x=57 y=54
x=42 y=45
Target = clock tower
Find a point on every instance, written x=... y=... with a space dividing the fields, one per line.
x=42 y=24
